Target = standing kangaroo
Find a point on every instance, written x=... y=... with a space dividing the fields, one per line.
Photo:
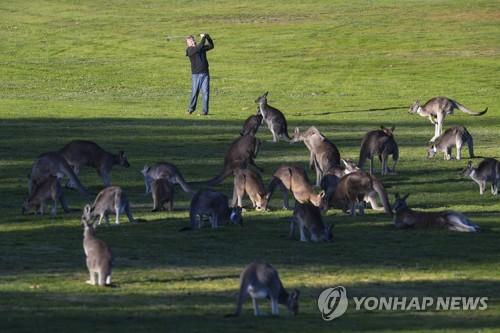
x=252 y=124
x=261 y=280
x=379 y=143
x=487 y=170
x=324 y=154
x=53 y=164
x=274 y=119
x=406 y=217
x=164 y=170
x=250 y=182
x=162 y=192
x=48 y=189
x=294 y=179
x=308 y=217
x=436 y=110
x=99 y=256
x=110 y=200
x=80 y=153
x=454 y=136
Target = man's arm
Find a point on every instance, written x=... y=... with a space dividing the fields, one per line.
x=210 y=42
x=193 y=50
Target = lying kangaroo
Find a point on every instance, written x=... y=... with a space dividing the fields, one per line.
x=250 y=182
x=324 y=154
x=80 y=153
x=294 y=179
x=215 y=206
x=164 y=170
x=53 y=164
x=99 y=256
x=436 y=110
x=379 y=142
x=406 y=218
x=162 y=192
x=308 y=217
x=454 y=136
x=48 y=189
x=487 y=170
x=261 y=280
x=274 y=119
x=240 y=155
x=109 y=200
x=252 y=124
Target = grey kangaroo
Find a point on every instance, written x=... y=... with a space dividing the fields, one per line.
x=53 y=164
x=261 y=280
x=214 y=205
x=274 y=119
x=294 y=179
x=406 y=217
x=164 y=170
x=80 y=153
x=110 y=200
x=323 y=153
x=436 y=110
x=379 y=143
x=455 y=136
x=99 y=256
x=252 y=124
x=487 y=170
x=250 y=182
x=162 y=192
x=307 y=217
x=47 y=190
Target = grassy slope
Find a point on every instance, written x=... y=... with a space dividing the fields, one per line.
x=104 y=72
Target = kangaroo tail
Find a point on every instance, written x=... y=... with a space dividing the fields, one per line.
x=379 y=188
x=362 y=157
x=464 y=109
x=284 y=134
x=470 y=145
x=185 y=186
x=219 y=178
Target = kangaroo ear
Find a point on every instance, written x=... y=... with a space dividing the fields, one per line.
x=469 y=164
x=321 y=194
x=296 y=130
x=345 y=162
x=86 y=209
x=406 y=196
x=393 y=128
x=396 y=195
x=265 y=94
x=295 y=294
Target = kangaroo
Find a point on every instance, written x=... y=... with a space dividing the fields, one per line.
x=215 y=206
x=48 y=189
x=454 y=136
x=240 y=155
x=261 y=280
x=162 y=192
x=487 y=170
x=99 y=256
x=324 y=154
x=164 y=170
x=274 y=119
x=53 y=164
x=109 y=200
x=294 y=179
x=308 y=217
x=252 y=124
x=406 y=217
x=379 y=142
x=436 y=110
x=250 y=182
x=80 y=153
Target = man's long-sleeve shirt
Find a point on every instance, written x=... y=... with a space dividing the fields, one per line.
x=198 y=55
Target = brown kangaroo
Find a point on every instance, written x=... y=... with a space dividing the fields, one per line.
x=379 y=143
x=307 y=217
x=162 y=192
x=48 y=189
x=274 y=119
x=164 y=170
x=252 y=124
x=250 y=182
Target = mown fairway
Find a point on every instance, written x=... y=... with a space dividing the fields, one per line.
x=104 y=72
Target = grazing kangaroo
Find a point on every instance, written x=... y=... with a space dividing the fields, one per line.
x=48 y=189
x=80 y=153
x=308 y=217
x=436 y=110
x=109 y=200
x=214 y=205
x=324 y=154
x=164 y=170
x=261 y=280
x=99 y=256
x=407 y=218
x=250 y=182
x=487 y=170
x=294 y=179
x=53 y=164
x=379 y=142
x=252 y=124
x=454 y=136
x=240 y=155
x=274 y=119
x=162 y=192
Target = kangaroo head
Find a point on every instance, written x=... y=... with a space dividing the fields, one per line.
x=145 y=170
x=122 y=159
x=350 y=166
x=468 y=169
x=263 y=200
x=388 y=131
x=400 y=202
x=431 y=150
x=319 y=201
x=87 y=215
x=27 y=205
x=235 y=216
x=292 y=303
x=297 y=136
x=414 y=107
x=262 y=99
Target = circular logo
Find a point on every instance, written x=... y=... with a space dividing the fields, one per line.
x=332 y=303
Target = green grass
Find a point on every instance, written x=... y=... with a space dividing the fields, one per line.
x=104 y=72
